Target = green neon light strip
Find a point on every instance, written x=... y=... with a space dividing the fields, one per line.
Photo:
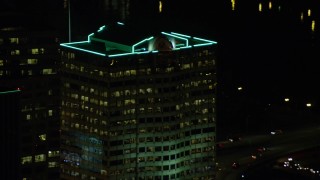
x=78 y=42
x=133 y=47
x=120 y=23
x=123 y=54
x=89 y=37
x=185 y=47
x=200 y=39
x=181 y=35
x=7 y=92
x=187 y=41
x=93 y=52
x=205 y=44
x=101 y=28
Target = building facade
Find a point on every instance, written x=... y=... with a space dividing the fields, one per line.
x=137 y=105
x=28 y=62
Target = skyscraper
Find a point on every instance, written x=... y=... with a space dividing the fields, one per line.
x=28 y=62
x=138 y=105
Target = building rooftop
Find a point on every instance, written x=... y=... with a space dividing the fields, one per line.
x=119 y=39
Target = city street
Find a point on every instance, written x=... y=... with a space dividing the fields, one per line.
x=277 y=146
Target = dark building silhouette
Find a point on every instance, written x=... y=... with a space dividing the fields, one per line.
x=138 y=105
x=28 y=61
x=10 y=132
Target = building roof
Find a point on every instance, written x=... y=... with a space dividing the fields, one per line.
x=119 y=39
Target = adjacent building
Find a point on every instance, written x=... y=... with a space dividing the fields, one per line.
x=138 y=105
x=29 y=63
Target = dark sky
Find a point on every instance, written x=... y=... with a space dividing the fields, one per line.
x=268 y=50
x=272 y=54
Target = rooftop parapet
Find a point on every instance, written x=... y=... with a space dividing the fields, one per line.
x=119 y=39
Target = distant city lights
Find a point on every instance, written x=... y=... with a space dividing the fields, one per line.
x=233 y=5
x=270 y=5
x=313 y=24
x=301 y=16
x=260 y=7
x=240 y=88
x=286 y=99
x=308 y=105
x=160 y=6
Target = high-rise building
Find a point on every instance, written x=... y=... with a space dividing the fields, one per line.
x=138 y=105
x=28 y=61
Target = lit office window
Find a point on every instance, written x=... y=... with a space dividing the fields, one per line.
x=71 y=55
x=14 y=40
x=43 y=137
x=28 y=117
x=32 y=61
x=53 y=153
x=26 y=159
x=39 y=158
x=15 y=52
x=50 y=92
x=35 y=51
x=133 y=72
x=52 y=164
x=1 y=62
x=50 y=112
x=47 y=71
x=186 y=66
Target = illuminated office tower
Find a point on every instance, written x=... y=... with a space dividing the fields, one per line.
x=28 y=62
x=137 y=105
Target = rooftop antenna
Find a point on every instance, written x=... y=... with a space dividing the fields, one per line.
x=69 y=20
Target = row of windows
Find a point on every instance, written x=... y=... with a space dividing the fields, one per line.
x=37 y=115
x=157 y=139
x=132 y=72
x=29 y=61
x=121 y=93
x=30 y=51
x=132 y=110
x=87 y=128
x=167 y=158
x=24 y=40
x=131 y=101
x=13 y=40
x=37 y=106
x=39 y=157
x=30 y=72
x=159 y=149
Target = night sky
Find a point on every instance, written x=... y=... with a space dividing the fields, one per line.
x=271 y=53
